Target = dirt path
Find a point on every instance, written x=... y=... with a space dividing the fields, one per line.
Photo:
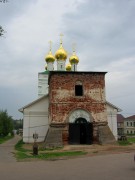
x=7 y=150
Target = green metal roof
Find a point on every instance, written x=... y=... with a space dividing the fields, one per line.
x=44 y=72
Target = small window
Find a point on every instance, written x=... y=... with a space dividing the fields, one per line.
x=134 y=124
x=127 y=123
x=78 y=90
x=127 y=132
x=131 y=123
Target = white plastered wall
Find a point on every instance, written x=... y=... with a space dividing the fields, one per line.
x=42 y=84
x=112 y=120
x=35 y=120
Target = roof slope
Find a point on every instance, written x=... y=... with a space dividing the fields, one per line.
x=120 y=118
x=115 y=107
x=33 y=102
x=131 y=117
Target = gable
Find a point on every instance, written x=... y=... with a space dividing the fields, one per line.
x=111 y=107
x=40 y=104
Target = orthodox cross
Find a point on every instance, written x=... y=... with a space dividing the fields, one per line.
x=50 y=42
x=73 y=47
x=61 y=38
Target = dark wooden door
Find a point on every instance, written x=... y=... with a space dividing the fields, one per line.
x=80 y=133
x=74 y=133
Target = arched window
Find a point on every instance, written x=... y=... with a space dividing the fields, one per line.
x=78 y=88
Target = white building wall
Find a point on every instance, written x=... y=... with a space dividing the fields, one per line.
x=73 y=67
x=112 y=120
x=42 y=84
x=61 y=65
x=35 y=120
x=129 y=126
x=50 y=66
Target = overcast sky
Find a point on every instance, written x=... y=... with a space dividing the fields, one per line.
x=104 y=33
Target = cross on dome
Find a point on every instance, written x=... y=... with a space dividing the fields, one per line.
x=61 y=35
x=50 y=42
x=73 y=47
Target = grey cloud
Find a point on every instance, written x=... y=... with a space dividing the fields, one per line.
x=104 y=32
x=13 y=9
x=102 y=29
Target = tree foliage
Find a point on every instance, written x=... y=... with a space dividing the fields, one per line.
x=1 y=31
x=18 y=124
x=3 y=1
x=6 y=123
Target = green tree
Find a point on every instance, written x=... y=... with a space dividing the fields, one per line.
x=6 y=123
x=1 y=31
x=3 y=1
x=18 y=124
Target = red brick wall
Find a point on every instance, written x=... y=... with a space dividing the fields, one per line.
x=63 y=99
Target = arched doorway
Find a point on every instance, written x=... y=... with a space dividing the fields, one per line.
x=80 y=132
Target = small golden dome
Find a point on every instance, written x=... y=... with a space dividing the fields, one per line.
x=68 y=67
x=61 y=54
x=49 y=57
x=74 y=59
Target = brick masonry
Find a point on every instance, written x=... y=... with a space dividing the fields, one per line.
x=63 y=101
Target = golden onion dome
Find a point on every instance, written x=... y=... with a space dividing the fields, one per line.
x=49 y=57
x=74 y=59
x=61 y=54
x=68 y=67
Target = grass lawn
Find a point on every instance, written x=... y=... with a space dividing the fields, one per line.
x=28 y=154
x=130 y=140
x=5 y=138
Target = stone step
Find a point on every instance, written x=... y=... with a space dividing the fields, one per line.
x=105 y=135
x=53 y=138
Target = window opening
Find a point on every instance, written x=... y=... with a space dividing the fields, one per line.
x=78 y=90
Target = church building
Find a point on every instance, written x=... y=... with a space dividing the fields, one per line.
x=71 y=107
